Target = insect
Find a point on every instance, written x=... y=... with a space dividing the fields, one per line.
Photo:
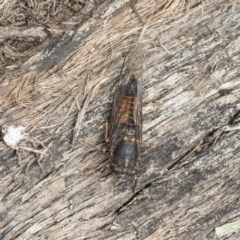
x=126 y=128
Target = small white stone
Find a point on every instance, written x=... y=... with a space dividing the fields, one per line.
x=115 y=226
x=12 y=135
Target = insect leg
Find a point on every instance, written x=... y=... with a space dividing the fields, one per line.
x=148 y=149
x=92 y=145
x=135 y=178
x=107 y=132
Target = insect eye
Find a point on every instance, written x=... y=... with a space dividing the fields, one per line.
x=132 y=132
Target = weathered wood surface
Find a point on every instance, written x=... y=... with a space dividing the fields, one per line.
x=189 y=177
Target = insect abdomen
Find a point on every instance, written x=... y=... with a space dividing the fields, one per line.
x=125 y=155
x=128 y=108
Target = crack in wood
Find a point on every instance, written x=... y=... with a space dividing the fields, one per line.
x=206 y=142
x=120 y=209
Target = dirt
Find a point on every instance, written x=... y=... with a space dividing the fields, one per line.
x=52 y=15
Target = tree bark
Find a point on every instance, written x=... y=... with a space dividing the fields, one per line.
x=54 y=184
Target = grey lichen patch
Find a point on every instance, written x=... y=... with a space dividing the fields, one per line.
x=213 y=117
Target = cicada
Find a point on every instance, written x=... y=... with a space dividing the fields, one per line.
x=126 y=128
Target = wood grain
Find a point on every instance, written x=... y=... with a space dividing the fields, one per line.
x=189 y=172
